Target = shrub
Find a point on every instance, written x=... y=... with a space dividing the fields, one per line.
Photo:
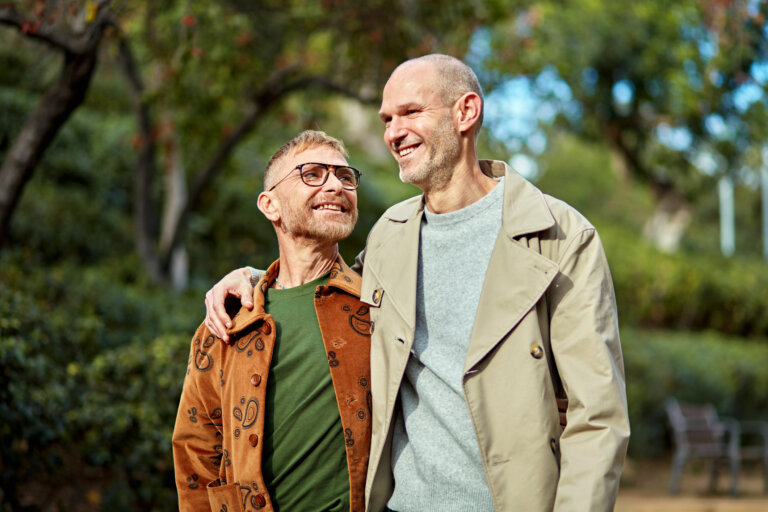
x=90 y=374
x=693 y=367
x=682 y=291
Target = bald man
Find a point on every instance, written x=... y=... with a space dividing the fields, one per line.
x=488 y=300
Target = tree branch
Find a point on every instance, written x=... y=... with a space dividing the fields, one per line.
x=76 y=45
x=144 y=207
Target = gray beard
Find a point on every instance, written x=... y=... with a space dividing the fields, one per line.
x=303 y=225
x=437 y=171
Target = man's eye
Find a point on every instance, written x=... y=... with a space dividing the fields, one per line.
x=310 y=175
x=345 y=175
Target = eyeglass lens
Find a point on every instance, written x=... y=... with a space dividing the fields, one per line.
x=315 y=175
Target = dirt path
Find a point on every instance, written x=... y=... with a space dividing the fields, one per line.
x=644 y=489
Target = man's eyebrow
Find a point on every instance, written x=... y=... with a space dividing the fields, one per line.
x=402 y=108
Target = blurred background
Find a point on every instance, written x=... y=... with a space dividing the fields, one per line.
x=133 y=138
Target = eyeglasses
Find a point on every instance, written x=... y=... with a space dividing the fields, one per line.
x=315 y=175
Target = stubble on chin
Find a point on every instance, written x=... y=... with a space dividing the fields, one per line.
x=306 y=226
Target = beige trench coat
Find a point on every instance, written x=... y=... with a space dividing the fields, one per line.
x=547 y=305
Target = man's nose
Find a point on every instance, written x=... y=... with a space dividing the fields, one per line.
x=394 y=131
x=332 y=183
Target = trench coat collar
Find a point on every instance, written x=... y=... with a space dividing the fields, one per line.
x=525 y=210
x=341 y=277
x=520 y=275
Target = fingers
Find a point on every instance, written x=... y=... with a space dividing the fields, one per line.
x=213 y=320
x=235 y=284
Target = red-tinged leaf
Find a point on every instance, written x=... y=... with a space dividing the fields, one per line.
x=34 y=26
x=244 y=39
x=188 y=20
x=137 y=141
x=196 y=52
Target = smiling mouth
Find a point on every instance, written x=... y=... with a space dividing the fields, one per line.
x=331 y=207
x=407 y=150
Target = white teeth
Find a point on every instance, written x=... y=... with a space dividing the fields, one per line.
x=333 y=207
x=407 y=151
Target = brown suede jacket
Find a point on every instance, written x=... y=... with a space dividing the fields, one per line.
x=216 y=442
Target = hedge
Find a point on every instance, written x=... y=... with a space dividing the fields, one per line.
x=679 y=291
x=701 y=368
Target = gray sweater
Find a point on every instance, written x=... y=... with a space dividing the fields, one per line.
x=436 y=460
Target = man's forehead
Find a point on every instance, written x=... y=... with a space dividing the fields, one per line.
x=410 y=84
x=321 y=154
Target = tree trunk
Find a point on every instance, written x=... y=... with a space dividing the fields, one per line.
x=174 y=205
x=667 y=226
x=144 y=218
x=40 y=129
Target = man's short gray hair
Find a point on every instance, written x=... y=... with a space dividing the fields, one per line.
x=308 y=139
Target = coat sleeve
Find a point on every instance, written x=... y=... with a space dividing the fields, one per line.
x=359 y=262
x=585 y=342
x=197 y=453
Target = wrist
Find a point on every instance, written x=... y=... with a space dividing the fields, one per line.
x=253 y=275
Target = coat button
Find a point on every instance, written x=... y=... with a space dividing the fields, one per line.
x=253 y=439
x=553 y=446
x=537 y=351
x=255 y=379
x=376 y=296
x=266 y=328
x=259 y=500
x=372 y=326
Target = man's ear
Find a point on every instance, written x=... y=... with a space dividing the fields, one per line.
x=468 y=109
x=269 y=204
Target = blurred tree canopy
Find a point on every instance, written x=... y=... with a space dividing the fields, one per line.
x=201 y=76
x=676 y=90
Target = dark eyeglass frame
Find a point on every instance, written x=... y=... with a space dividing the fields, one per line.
x=329 y=168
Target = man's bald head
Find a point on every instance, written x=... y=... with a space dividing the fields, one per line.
x=454 y=78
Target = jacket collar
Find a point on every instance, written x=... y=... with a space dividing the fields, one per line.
x=525 y=210
x=341 y=277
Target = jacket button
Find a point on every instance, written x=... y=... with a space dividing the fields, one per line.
x=255 y=379
x=372 y=326
x=376 y=296
x=266 y=328
x=253 y=439
x=553 y=446
x=259 y=500
x=537 y=351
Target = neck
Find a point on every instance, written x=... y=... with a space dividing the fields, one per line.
x=467 y=185
x=302 y=261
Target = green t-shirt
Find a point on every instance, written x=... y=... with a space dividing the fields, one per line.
x=304 y=461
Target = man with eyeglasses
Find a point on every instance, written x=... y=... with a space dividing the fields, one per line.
x=280 y=418
x=489 y=301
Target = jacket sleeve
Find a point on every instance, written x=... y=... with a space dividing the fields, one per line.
x=359 y=262
x=197 y=442
x=585 y=342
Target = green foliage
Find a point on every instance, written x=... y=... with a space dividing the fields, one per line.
x=683 y=64
x=583 y=175
x=88 y=378
x=698 y=368
x=683 y=291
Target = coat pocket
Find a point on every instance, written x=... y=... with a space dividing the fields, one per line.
x=224 y=498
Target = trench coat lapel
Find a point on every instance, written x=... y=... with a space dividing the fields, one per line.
x=517 y=276
x=397 y=268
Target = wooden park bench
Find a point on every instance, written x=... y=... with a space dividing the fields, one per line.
x=698 y=432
